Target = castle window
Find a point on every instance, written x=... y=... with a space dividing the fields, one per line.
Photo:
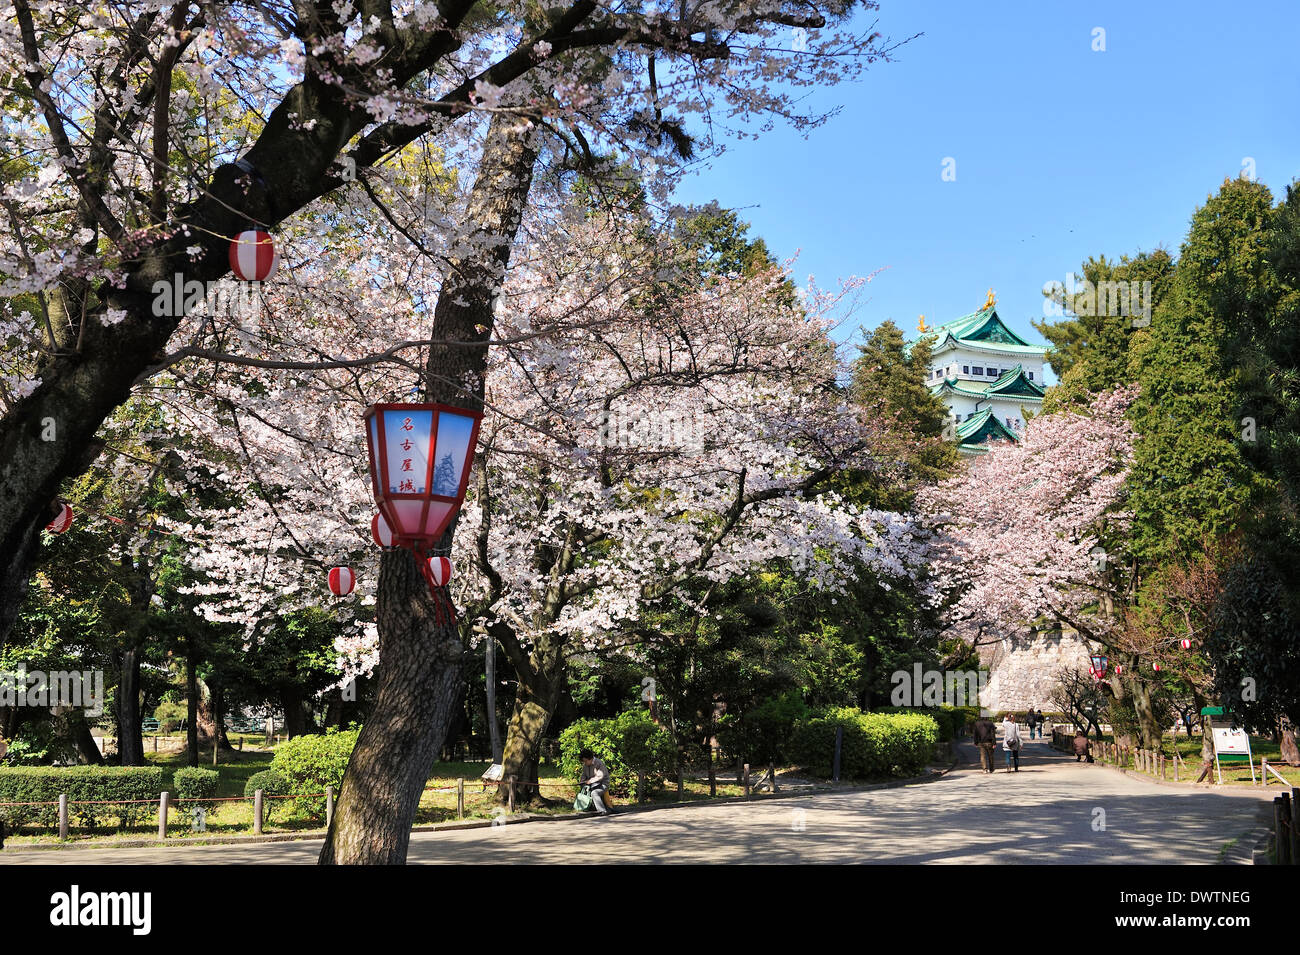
x=1031 y=376
x=992 y=372
x=980 y=372
x=965 y=369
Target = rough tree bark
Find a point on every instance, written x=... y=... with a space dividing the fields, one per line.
x=130 y=742
x=417 y=687
x=417 y=683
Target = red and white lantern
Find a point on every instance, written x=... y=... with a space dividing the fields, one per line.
x=439 y=571
x=253 y=257
x=1119 y=668
x=1156 y=665
x=62 y=522
x=342 y=580
x=380 y=531
x=1186 y=644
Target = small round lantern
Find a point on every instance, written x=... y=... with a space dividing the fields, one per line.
x=439 y=571
x=380 y=531
x=253 y=257
x=62 y=522
x=1186 y=644
x=1156 y=665
x=342 y=580
x=1119 y=668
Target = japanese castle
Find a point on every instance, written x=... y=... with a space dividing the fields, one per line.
x=986 y=374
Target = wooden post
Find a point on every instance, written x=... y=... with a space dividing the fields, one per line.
x=771 y=772
x=460 y=798
x=681 y=783
x=713 y=779
x=1177 y=763
x=63 y=815
x=155 y=743
x=257 y=813
x=1281 y=845
x=241 y=744
x=1295 y=825
x=162 y=815
x=216 y=744
x=329 y=806
x=839 y=744
x=512 y=795
x=640 y=786
x=745 y=779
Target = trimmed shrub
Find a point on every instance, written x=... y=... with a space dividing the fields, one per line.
x=83 y=784
x=269 y=781
x=875 y=744
x=762 y=733
x=195 y=788
x=629 y=744
x=944 y=718
x=307 y=764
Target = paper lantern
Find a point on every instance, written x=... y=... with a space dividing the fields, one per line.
x=62 y=522
x=253 y=257
x=380 y=531
x=1186 y=644
x=1119 y=668
x=1156 y=665
x=439 y=571
x=342 y=580
x=420 y=457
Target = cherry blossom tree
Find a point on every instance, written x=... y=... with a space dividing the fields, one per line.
x=1037 y=529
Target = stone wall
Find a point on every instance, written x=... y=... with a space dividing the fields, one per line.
x=1022 y=668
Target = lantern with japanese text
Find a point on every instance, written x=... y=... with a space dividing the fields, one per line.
x=253 y=257
x=62 y=521
x=420 y=457
x=342 y=580
x=1099 y=663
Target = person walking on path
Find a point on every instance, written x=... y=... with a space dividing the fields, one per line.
x=985 y=736
x=1011 y=741
x=1035 y=721
x=1081 y=746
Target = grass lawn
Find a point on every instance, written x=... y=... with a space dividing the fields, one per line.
x=234 y=816
x=1235 y=774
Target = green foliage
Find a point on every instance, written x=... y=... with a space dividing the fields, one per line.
x=171 y=716
x=949 y=719
x=195 y=787
x=629 y=744
x=1090 y=351
x=874 y=745
x=762 y=732
x=269 y=781
x=86 y=786
x=893 y=381
x=307 y=764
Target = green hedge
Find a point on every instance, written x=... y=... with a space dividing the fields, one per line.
x=629 y=744
x=82 y=784
x=875 y=744
x=307 y=764
x=269 y=781
x=196 y=788
x=948 y=719
x=761 y=733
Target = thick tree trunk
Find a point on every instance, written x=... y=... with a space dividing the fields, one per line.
x=536 y=698
x=297 y=721
x=192 y=701
x=130 y=741
x=1147 y=726
x=418 y=677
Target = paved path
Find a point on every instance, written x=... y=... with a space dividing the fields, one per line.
x=1043 y=814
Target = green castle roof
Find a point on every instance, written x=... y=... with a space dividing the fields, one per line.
x=985 y=329
x=1013 y=383
x=983 y=427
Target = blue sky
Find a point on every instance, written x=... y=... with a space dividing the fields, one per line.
x=1060 y=152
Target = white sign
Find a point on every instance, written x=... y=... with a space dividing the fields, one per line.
x=1229 y=741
